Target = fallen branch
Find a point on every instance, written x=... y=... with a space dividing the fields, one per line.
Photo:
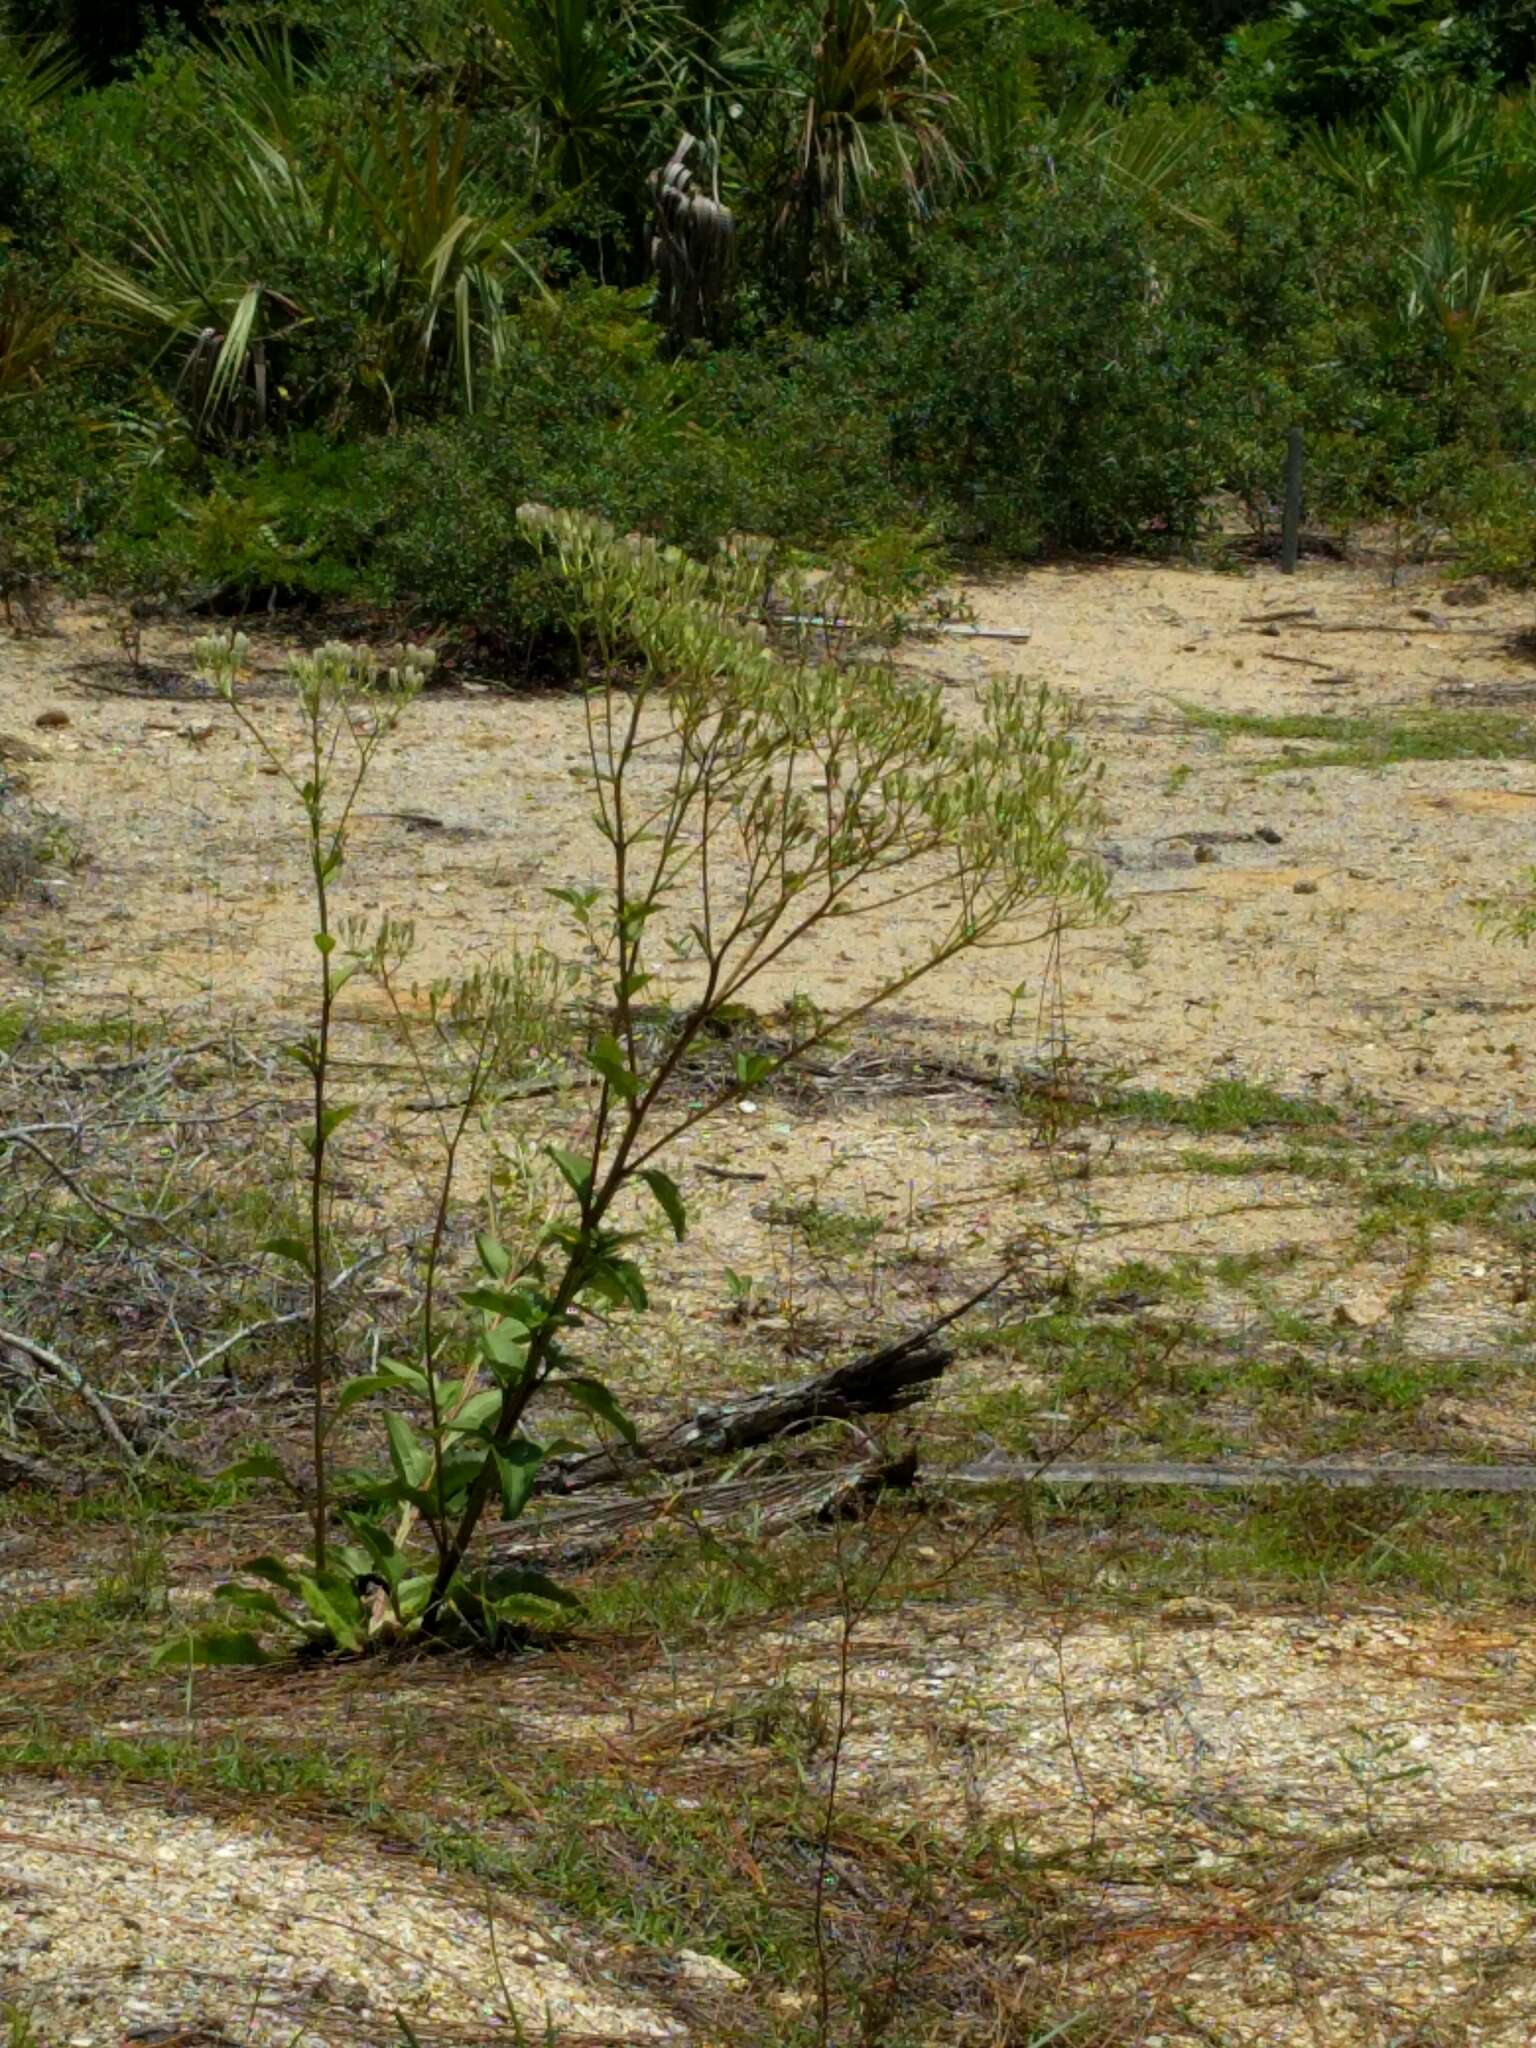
x=108 y=1212
x=1300 y=660
x=771 y=1501
x=1424 y=632
x=1413 y=1474
x=879 y=1383
x=17 y=1468
x=914 y=632
x=268 y=1324
x=71 y=1377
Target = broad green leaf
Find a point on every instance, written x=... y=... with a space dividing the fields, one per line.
x=337 y=1609
x=254 y=1601
x=524 y=1610
x=378 y=1545
x=619 y=1281
x=498 y=1301
x=478 y=1410
x=258 y=1465
x=333 y=1118
x=505 y=1345
x=514 y=1580
x=598 y=1401
x=410 y=1458
x=325 y=943
x=390 y=1378
x=494 y=1256
x=577 y=1171
x=294 y=1249
x=752 y=1067
x=274 y=1571
x=413 y=1594
x=667 y=1193
x=607 y=1059
x=210 y=1646
x=517 y=1466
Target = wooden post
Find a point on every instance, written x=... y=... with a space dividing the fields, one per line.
x=1290 y=531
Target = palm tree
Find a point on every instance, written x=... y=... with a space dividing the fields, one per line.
x=873 y=104
x=386 y=235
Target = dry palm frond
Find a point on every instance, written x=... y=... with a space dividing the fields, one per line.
x=691 y=247
x=874 y=103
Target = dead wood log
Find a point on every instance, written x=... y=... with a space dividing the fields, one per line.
x=769 y=1501
x=880 y=1383
x=1428 y=1475
x=20 y=1468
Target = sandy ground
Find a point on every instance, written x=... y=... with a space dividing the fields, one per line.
x=1374 y=977
x=1341 y=956
x=111 y=1915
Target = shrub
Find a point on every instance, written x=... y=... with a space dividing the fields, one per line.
x=809 y=792
x=1049 y=388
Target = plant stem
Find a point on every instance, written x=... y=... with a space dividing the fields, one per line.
x=321 y=1077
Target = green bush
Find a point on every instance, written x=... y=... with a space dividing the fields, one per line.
x=585 y=413
x=1050 y=386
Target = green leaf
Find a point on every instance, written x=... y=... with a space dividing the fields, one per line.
x=494 y=1256
x=512 y=1581
x=517 y=1466
x=666 y=1191
x=478 y=1410
x=379 y=1545
x=294 y=1249
x=597 y=1400
x=578 y=900
x=412 y=1595
x=505 y=1345
x=325 y=944
x=577 y=1171
x=607 y=1059
x=620 y=1282
x=274 y=1571
x=258 y=1465
x=333 y=1118
x=390 y=1378
x=253 y=1601
x=207 y=1646
x=409 y=1456
x=498 y=1301
x=459 y=1471
x=331 y=1600
x=752 y=1067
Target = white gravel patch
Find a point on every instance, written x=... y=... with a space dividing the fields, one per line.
x=118 y=1919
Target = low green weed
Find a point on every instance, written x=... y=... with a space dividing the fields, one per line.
x=1224 y=1107
x=1379 y=741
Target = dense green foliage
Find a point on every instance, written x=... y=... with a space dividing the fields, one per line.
x=299 y=302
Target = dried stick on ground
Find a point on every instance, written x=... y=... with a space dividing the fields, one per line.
x=773 y=1501
x=19 y=1468
x=1430 y=1475
x=69 y=1376
x=878 y=1383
